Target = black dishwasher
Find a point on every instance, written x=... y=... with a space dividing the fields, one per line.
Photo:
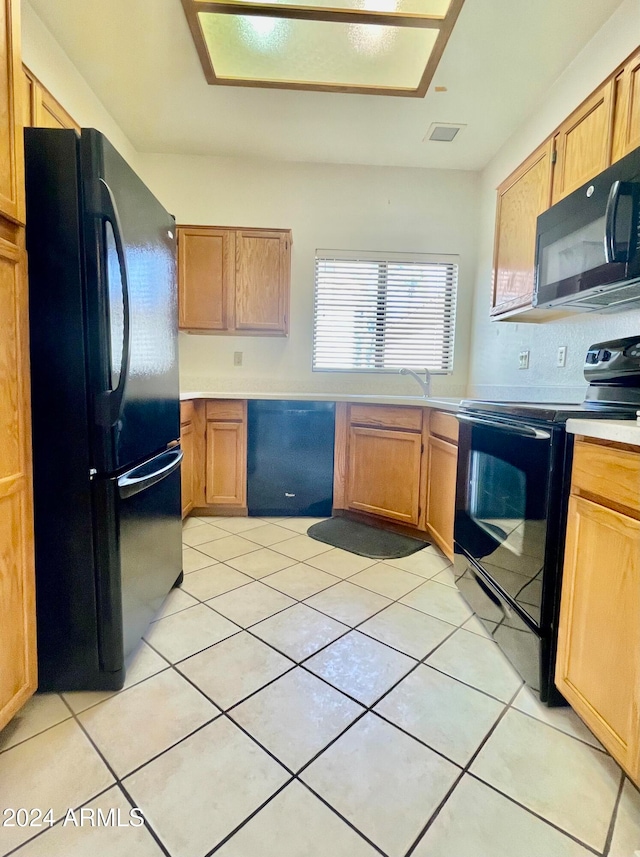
x=290 y=458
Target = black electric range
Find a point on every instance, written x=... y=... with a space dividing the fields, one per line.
x=513 y=479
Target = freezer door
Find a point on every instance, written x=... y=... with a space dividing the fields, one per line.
x=139 y=544
x=132 y=309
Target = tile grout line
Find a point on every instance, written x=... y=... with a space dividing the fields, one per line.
x=148 y=827
x=614 y=817
x=464 y=770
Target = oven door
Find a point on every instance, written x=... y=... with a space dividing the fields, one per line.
x=505 y=477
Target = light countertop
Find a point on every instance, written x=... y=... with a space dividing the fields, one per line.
x=621 y=431
x=369 y=399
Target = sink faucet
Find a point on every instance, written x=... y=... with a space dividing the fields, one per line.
x=424 y=385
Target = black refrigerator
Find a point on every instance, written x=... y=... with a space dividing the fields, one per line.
x=105 y=406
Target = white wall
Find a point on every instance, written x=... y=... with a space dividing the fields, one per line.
x=493 y=368
x=42 y=54
x=329 y=207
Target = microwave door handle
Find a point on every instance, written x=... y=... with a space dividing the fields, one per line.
x=510 y=428
x=611 y=252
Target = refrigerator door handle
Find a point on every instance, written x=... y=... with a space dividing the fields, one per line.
x=138 y=479
x=109 y=403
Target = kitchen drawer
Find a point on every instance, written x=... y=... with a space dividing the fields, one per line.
x=232 y=410
x=383 y=416
x=608 y=472
x=443 y=425
x=187 y=412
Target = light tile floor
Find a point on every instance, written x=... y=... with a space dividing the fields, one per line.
x=294 y=700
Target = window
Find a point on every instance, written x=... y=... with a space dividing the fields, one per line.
x=378 y=312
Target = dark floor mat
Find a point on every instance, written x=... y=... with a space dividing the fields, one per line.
x=364 y=540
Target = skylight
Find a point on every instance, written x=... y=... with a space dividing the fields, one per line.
x=376 y=47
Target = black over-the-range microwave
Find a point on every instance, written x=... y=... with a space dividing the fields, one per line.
x=588 y=244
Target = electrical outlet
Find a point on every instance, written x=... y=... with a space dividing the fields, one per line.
x=561 y=359
x=237 y=358
x=523 y=360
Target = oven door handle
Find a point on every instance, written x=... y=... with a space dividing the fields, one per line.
x=511 y=428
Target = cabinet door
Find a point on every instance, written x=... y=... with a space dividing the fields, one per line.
x=441 y=493
x=187 y=442
x=226 y=454
x=583 y=143
x=205 y=278
x=598 y=665
x=17 y=583
x=521 y=198
x=626 y=122
x=263 y=261
x=384 y=473
x=11 y=114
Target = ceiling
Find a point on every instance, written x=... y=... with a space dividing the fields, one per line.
x=503 y=55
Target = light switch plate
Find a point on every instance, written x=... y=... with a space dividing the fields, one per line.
x=523 y=360
x=237 y=358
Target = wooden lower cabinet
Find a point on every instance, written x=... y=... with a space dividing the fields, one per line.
x=598 y=663
x=226 y=464
x=441 y=493
x=187 y=442
x=18 y=665
x=384 y=473
x=398 y=464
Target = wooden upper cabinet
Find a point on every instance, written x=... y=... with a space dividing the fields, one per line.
x=234 y=280
x=626 y=120
x=583 y=143
x=206 y=275
x=521 y=198
x=263 y=264
x=12 y=204
x=39 y=108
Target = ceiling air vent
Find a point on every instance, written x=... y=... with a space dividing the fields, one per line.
x=443 y=132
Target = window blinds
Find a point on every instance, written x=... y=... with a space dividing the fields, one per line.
x=379 y=312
